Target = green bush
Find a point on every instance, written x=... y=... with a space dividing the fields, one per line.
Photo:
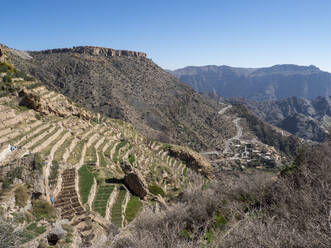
x=131 y=159
x=37 y=162
x=11 y=175
x=7 y=79
x=41 y=209
x=52 y=178
x=21 y=196
x=4 y=67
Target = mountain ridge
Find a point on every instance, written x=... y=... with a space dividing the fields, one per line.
x=268 y=83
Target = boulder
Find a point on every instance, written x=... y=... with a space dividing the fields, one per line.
x=192 y=159
x=133 y=180
x=56 y=233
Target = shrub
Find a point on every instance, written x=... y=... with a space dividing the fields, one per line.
x=247 y=210
x=4 y=67
x=37 y=162
x=11 y=175
x=7 y=79
x=41 y=209
x=52 y=178
x=21 y=196
x=131 y=159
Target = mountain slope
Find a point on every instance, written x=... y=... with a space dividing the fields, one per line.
x=271 y=83
x=304 y=118
x=129 y=86
x=97 y=172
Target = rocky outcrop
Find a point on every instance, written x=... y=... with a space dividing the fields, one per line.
x=192 y=160
x=95 y=51
x=61 y=108
x=133 y=180
x=2 y=54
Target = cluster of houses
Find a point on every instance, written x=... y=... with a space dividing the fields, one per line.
x=253 y=154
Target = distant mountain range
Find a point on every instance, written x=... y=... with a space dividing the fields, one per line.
x=260 y=84
x=309 y=119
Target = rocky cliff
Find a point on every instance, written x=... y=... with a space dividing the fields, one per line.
x=308 y=119
x=261 y=84
x=95 y=51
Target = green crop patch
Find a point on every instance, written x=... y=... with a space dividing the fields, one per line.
x=102 y=159
x=156 y=190
x=85 y=183
x=91 y=156
x=116 y=214
x=101 y=198
x=133 y=208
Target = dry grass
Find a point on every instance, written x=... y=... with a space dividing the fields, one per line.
x=250 y=210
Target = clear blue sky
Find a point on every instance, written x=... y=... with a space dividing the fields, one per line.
x=246 y=33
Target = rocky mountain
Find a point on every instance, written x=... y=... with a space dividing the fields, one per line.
x=308 y=119
x=73 y=177
x=129 y=86
x=270 y=83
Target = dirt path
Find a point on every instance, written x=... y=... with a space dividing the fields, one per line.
x=237 y=137
x=222 y=111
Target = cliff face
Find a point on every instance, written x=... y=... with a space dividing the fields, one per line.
x=97 y=51
x=270 y=83
x=308 y=119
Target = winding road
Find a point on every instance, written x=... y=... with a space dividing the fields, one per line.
x=228 y=141
x=237 y=137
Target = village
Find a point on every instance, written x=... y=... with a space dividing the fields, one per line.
x=244 y=154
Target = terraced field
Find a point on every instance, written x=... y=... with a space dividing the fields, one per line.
x=116 y=212
x=82 y=151
x=101 y=198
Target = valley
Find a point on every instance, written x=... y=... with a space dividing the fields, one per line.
x=81 y=168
